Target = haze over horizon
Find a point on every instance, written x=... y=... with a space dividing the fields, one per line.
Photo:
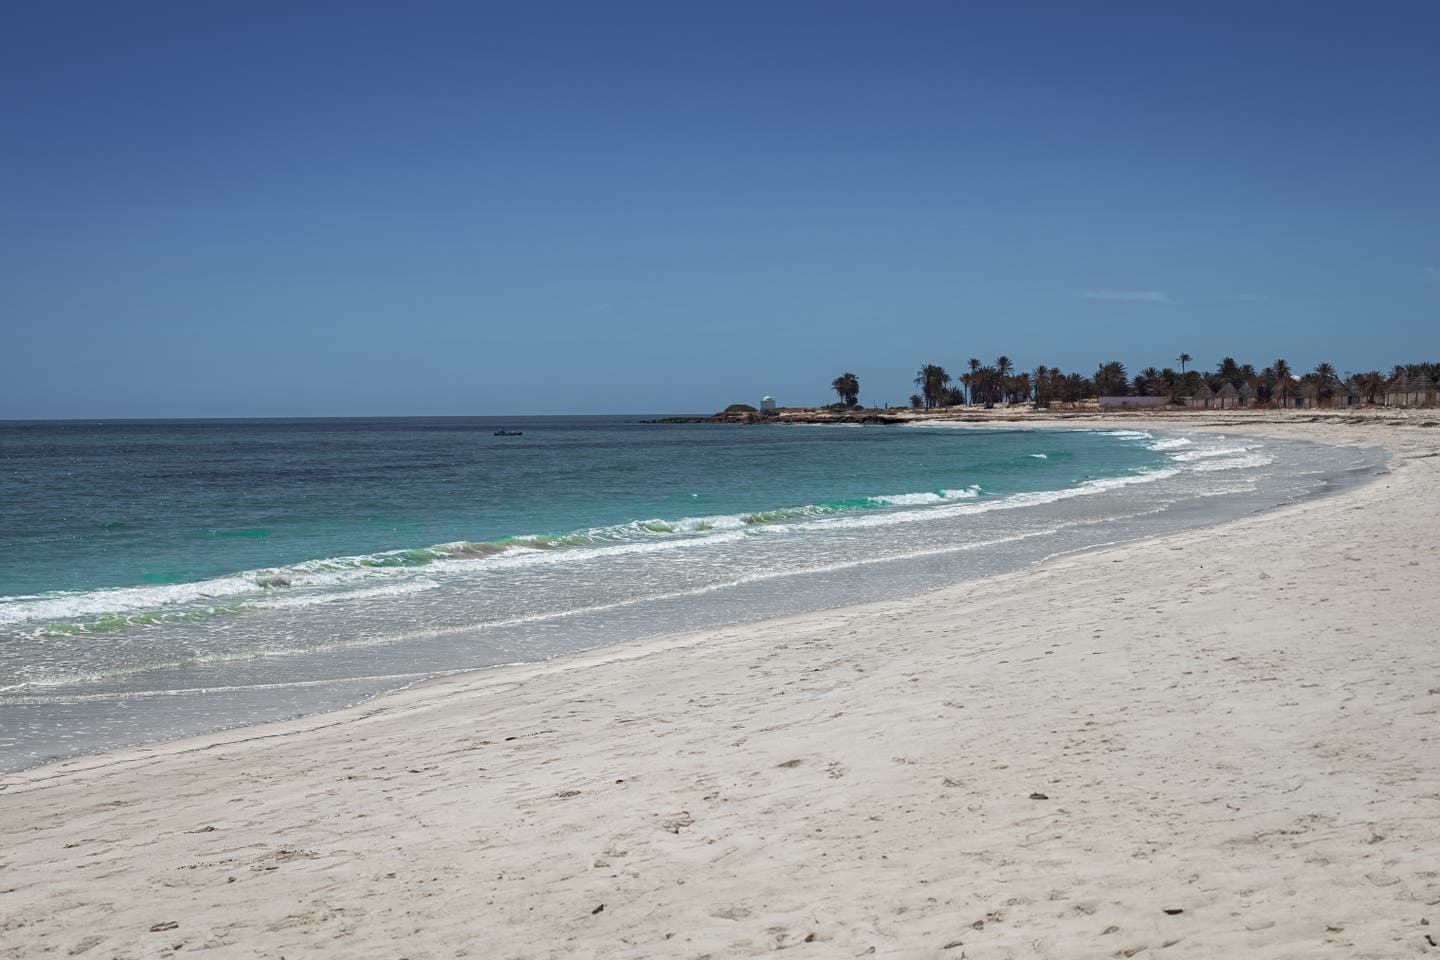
x=271 y=211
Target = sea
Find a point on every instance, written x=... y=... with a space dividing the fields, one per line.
x=160 y=579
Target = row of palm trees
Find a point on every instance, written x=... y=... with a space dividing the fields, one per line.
x=1000 y=382
x=1277 y=383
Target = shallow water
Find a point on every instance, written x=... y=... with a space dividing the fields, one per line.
x=163 y=579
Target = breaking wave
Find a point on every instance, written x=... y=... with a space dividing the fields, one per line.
x=415 y=569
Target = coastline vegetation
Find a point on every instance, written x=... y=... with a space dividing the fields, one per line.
x=1233 y=383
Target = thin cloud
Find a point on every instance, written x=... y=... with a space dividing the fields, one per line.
x=1128 y=296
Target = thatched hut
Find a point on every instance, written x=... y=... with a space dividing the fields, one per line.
x=1227 y=397
x=1204 y=397
x=1410 y=392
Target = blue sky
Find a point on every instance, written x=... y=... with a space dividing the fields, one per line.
x=275 y=209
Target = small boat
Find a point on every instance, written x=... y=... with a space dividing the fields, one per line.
x=502 y=432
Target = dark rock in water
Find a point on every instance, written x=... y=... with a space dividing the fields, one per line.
x=739 y=408
x=269 y=582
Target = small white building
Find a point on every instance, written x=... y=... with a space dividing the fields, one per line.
x=767 y=404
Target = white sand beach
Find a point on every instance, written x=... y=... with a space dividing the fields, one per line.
x=1223 y=743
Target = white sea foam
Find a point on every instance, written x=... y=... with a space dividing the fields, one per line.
x=1204 y=453
x=1039 y=456
x=1017 y=501
x=1234 y=463
x=920 y=499
x=70 y=605
x=1173 y=443
x=408 y=571
x=366 y=593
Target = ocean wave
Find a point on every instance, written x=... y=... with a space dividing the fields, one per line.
x=1172 y=443
x=1204 y=453
x=917 y=499
x=1016 y=501
x=82 y=677
x=410 y=570
x=1234 y=463
x=70 y=604
x=1039 y=456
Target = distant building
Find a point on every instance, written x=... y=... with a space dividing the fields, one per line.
x=767 y=404
x=1204 y=397
x=1123 y=403
x=1337 y=393
x=1227 y=397
x=1410 y=392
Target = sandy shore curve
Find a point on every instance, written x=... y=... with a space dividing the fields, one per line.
x=1216 y=743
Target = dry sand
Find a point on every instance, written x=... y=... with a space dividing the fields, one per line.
x=1215 y=744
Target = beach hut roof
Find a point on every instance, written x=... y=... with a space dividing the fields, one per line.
x=1204 y=393
x=1247 y=389
x=1420 y=384
x=1228 y=390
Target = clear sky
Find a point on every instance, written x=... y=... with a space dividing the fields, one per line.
x=304 y=208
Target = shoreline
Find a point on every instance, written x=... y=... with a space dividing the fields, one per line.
x=635 y=649
x=915 y=581
x=862 y=720
x=470 y=680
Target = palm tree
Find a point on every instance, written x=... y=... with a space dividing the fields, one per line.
x=1020 y=386
x=847 y=385
x=1078 y=388
x=1229 y=371
x=987 y=382
x=1003 y=369
x=1183 y=359
x=1372 y=384
x=932 y=381
x=1283 y=381
x=1171 y=381
x=1325 y=380
x=1041 y=376
x=1111 y=381
x=1147 y=381
x=974 y=372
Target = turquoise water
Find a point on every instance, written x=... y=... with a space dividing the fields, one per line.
x=130 y=504
x=164 y=578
